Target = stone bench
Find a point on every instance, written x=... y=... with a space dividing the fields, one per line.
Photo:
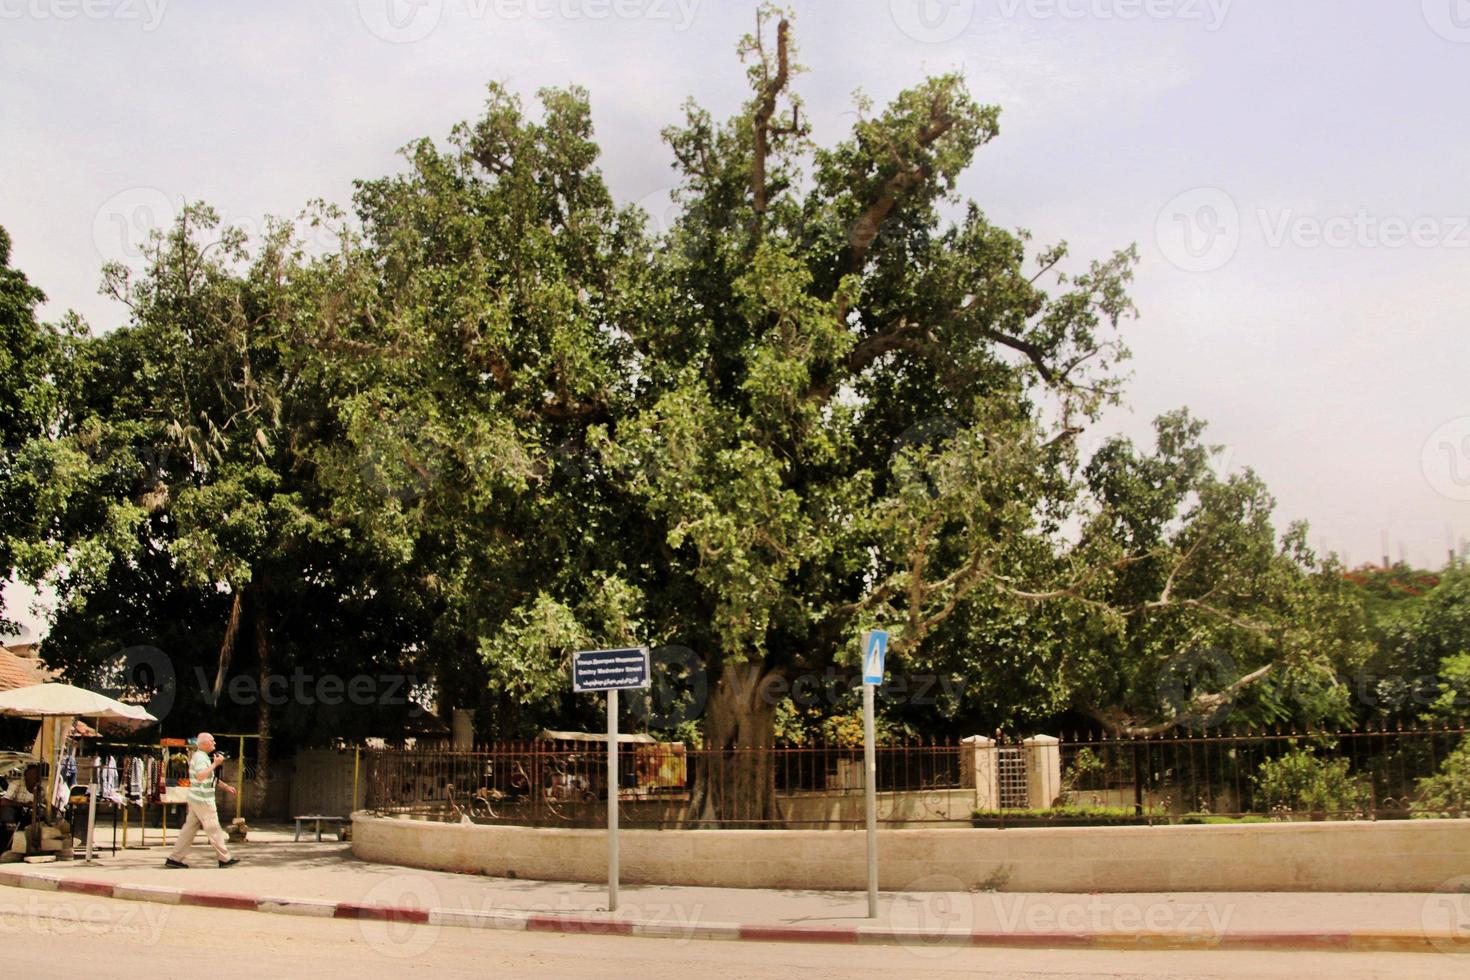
x=338 y=825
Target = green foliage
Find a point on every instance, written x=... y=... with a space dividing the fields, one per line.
x=1303 y=782
x=1447 y=793
x=27 y=401
x=1418 y=639
x=1453 y=703
x=505 y=419
x=1092 y=815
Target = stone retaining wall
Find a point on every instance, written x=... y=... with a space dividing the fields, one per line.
x=1393 y=856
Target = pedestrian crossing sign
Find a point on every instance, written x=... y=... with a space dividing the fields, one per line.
x=875 y=647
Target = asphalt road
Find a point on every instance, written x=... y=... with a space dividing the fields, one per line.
x=39 y=930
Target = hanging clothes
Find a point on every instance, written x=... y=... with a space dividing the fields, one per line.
x=109 y=781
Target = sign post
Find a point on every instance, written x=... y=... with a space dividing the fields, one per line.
x=611 y=671
x=875 y=647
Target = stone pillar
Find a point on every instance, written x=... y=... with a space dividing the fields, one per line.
x=1043 y=771
x=462 y=729
x=980 y=770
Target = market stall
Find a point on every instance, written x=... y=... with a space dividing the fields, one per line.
x=56 y=707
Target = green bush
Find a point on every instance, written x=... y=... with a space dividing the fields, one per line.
x=1301 y=782
x=1098 y=815
x=1448 y=792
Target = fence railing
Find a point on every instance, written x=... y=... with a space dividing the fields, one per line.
x=1283 y=773
x=1182 y=776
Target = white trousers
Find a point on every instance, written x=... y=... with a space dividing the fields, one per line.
x=201 y=816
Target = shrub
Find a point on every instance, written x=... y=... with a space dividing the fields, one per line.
x=1447 y=792
x=1301 y=782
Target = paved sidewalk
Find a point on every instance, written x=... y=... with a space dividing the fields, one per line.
x=324 y=879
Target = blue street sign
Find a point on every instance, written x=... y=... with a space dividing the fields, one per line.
x=610 y=670
x=875 y=648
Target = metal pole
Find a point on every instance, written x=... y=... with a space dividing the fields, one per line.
x=356 y=763
x=91 y=810
x=612 y=800
x=240 y=780
x=870 y=791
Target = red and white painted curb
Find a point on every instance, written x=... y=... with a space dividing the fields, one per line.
x=1405 y=941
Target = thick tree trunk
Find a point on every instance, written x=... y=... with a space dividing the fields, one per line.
x=735 y=775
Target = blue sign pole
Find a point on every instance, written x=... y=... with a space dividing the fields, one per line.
x=875 y=648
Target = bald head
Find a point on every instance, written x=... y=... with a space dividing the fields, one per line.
x=205 y=741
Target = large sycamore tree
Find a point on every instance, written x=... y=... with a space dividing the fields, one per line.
x=516 y=421
x=831 y=396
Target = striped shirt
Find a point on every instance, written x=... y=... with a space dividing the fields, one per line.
x=201 y=779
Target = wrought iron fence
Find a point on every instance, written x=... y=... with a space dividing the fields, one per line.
x=1180 y=777
x=1369 y=773
x=545 y=783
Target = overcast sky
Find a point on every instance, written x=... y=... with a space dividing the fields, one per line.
x=1296 y=174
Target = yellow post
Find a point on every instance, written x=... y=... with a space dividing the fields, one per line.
x=356 y=761
x=240 y=780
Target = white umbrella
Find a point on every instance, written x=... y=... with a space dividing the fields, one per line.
x=63 y=700
x=56 y=701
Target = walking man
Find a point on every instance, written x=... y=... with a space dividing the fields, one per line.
x=202 y=812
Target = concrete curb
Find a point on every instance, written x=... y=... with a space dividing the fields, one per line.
x=1380 y=941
